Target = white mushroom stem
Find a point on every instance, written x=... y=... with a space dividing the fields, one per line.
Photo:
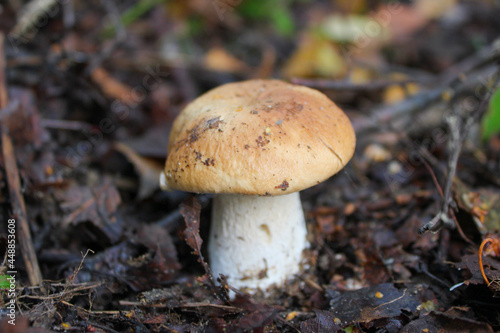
x=256 y=241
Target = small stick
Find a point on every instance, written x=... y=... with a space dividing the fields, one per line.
x=14 y=184
x=459 y=127
x=452 y=213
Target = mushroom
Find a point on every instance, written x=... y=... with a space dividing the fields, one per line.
x=255 y=144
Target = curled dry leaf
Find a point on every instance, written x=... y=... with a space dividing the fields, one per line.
x=190 y=210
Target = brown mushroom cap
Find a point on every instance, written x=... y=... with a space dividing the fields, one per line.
x=259 y=137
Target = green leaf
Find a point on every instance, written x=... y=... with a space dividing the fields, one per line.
x=276 y=13
x=491 y=121
x=4 y=283
x=132 y=14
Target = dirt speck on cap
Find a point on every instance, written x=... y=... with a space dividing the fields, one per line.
x=283 y=186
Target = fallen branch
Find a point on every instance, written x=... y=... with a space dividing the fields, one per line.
x=14 y=184
x=459 y=124
x=448 y=83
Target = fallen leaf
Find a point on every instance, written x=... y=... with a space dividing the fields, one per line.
x=315 y=57
x=483 y=205
x=147 y=169
x=437 y=322
x=218 y=59
x=324 y=322
x=190 y=210
x=97 y=205
x=363 y=305
x=255 y=316
x=470 y=262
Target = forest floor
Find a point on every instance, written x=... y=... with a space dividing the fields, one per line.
x=88 y=93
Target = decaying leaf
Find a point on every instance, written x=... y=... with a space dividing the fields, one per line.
x=255 y=317
x=437 y=322
x=190 y=210
x=324 y=322
x=147 y=169
x=482 y=204
x=375 y=302
x=145 y=261
x=471 y=263
x=96 y=205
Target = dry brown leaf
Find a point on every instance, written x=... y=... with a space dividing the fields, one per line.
x=190 y=210
x=315 y=57
x=96 y=205
x=218 y=59
x=147 y=169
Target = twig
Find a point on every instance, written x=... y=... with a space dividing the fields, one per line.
x=450 y=80
x=459 y=125
x=14 y=184
x=68 y=125
x=62 y=295
x=452 y=213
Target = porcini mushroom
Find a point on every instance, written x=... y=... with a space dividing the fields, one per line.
x=255 y=145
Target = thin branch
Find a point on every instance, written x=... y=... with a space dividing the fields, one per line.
x=459 y=125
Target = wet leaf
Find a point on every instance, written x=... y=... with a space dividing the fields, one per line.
x=255 y=317
x=97 y=205
x=143 y=262
x=437 y=322
x=471 y=263
x=324 y=322
x=376 y=302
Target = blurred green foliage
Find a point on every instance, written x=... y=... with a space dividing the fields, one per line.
x=277 y=13
x=4 y=283
x=491 y=120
